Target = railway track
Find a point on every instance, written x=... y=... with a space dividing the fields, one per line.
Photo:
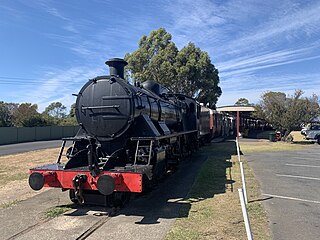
x=104 y=217
x=140 y=216
x=94 y=227
x=28 y=229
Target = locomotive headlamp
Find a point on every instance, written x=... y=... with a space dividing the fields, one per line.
x=36 y=181
x=106 y=184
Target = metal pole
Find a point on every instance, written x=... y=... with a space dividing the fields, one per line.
x=238 y=124
x=61 y=151
x=243 y=183
x=245 y=215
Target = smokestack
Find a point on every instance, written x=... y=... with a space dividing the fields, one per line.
x=116 y=66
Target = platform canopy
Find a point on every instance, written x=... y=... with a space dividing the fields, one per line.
x=236 y=109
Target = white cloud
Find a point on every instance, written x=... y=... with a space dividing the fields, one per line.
x=278 y=57
x=68 y=24
x=293 y=25
x=71 y=28
x=54 y=12
x=248 y=40
x=238 y=26
x=59 y=85
x=253 y=86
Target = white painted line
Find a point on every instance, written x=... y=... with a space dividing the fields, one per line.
x=302 y=177
x=301 y=165
x=316 y=158
x=291 y=198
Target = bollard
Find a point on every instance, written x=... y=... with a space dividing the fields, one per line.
x=243 y=183
x=245 y=215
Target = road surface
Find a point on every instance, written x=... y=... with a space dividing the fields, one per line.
x=28 y=146
x=290 y=191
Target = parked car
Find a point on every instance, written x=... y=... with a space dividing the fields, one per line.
x=312 y=132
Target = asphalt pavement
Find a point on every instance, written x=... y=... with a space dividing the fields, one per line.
x=290 y=191
x=28 y=146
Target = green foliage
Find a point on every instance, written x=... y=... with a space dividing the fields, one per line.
x=69 y=121
x=56 y=211
x=196 y=75
x=56 y=110
x=5 y=115
x=26 y=115
x=242 y=102
x=188 y=71
x=55 y=114
x=154 y=59
x=36 y=120
x=72 y=113
x=287 y=113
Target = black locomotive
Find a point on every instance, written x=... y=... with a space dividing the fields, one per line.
x=129 y=137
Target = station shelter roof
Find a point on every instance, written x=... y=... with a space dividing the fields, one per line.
x=236 y=109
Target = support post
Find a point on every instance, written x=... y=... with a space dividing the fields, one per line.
x=245 y=215
x=238 y=124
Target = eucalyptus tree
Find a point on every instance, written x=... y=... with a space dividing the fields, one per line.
x=188 y=71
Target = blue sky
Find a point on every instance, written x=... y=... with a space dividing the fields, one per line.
x=49 y=49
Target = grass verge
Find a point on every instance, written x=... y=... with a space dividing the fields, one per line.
x=56 y=211
x=15 y=167
x=14 y=174
x=214 y=210
x=266 y=146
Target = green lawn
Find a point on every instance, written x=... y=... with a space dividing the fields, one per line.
x=214 y=210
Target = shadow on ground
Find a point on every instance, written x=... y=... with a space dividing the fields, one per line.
x=207 y=173
x=203 y=176
x=304 y=142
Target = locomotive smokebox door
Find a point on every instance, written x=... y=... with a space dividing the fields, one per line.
x=108 y=113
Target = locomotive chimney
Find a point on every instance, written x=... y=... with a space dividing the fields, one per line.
x=116 y=66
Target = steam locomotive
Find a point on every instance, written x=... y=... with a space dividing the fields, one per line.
x=130 y=136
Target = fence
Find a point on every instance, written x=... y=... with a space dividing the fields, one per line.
x=10 y=135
